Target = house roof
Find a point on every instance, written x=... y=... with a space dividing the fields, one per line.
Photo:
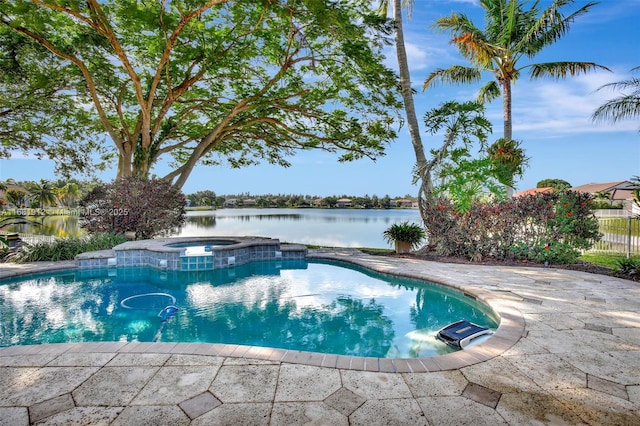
x=598 y=187
x=533 y=191
x=621 y=190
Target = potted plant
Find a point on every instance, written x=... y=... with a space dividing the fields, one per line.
x=406 y=236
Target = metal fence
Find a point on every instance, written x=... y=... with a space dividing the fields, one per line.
x=619 y=235
x=33 y=238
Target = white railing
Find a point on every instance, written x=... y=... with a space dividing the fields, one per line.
x=611 y=213
x=619 y=235
x=32 y=238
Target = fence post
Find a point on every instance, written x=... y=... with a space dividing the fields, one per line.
x=629 y=237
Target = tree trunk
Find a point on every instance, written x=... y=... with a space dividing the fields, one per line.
x=407 y=97
x=508 y=126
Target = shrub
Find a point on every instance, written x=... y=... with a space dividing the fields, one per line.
x=147 y=207
x=65 y=249
x=547 y=227
x=627 y=267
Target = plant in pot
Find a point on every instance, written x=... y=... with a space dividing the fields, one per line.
x=406 y=236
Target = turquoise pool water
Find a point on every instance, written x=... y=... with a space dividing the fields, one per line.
x=301 y=305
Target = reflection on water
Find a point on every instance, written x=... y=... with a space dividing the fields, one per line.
x=58 y=226
x=294 y=305
x=334 y=228
x=202 y=221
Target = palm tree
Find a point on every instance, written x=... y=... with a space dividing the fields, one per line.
x=624 y=106
x=69 y=193
x=511 y=34
x=604 y=196
x=42 y=193
x=424 y=175
x=16 y=197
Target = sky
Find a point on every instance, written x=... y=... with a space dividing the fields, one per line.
x=552 y=119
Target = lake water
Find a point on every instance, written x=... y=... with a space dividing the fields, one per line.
x=324 y=227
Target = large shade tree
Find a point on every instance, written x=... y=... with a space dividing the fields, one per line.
x=202 y=82
x=512 y=35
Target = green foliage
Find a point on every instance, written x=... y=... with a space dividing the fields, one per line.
x=146 y=207
x=607 y=205
x=557 y=184
x=40 y=99
x=405 y=232
x=468 y=181
x=509 y=160
x=203 y=198
x=629 y=267
x=42 y=193
x=551 y=227
x=16 y=197
x=64 y=249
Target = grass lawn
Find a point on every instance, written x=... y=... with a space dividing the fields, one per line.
x=605 y=259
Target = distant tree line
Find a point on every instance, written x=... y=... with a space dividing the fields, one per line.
x=68 y=193
x=208 y=198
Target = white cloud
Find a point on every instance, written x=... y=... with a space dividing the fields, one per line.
x=561 y=107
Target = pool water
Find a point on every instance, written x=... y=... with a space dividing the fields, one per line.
x=299 y=305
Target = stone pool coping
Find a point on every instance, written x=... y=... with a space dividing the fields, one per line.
x=510 y=329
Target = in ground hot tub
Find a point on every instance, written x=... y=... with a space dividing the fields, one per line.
x=204 y=243
x=201 y=248
x=191 y=253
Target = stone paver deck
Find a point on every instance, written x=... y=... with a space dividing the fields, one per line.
x=567 y=352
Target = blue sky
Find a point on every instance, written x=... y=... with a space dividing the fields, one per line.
x=551 y=118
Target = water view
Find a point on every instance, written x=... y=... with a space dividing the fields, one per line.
x=325 y=227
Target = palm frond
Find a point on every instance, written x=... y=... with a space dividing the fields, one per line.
x=633 y=83
x=456 y=23
x=456 y=74
x=550 y=26
x=623 y=107
x=558 y=70
x=489 y=92
x=470 y=40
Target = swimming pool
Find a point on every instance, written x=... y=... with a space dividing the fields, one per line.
x=293 y=304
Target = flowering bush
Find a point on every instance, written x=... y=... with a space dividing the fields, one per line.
x=547 y=227
x=146 y=207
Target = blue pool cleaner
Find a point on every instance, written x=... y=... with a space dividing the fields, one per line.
x=166 y=314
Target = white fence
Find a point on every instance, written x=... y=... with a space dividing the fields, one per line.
x=619 y=235
x=33 y=238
